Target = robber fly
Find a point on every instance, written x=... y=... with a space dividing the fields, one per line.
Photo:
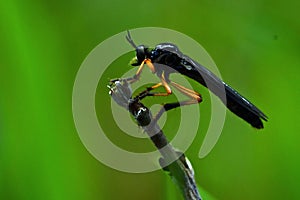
x=166 y=58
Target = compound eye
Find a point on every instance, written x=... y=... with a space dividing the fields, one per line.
x=140 y=53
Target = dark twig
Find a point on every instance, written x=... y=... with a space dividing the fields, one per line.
x=180 y=169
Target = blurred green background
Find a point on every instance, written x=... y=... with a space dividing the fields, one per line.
x=255 y=44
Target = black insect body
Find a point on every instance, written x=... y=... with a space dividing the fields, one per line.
x=166 y=58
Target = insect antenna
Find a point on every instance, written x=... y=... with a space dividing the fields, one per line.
x=129 y=39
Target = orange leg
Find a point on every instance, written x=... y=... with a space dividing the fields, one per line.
x=164 y=84
x=140 y=69
x=194 y=96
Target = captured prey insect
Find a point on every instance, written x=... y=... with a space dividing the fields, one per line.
x=166 y=58
x=121 y=92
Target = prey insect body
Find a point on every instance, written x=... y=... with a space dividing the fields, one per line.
x=166 y=58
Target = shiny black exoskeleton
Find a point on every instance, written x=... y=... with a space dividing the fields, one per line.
x=167 y=58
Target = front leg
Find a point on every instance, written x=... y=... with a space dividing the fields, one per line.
x=137 y=75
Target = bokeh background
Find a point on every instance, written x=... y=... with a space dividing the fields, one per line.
x=255 y=44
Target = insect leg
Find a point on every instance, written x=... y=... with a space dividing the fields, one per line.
x=194 y=96
x=140 y=69
x=164 y=84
